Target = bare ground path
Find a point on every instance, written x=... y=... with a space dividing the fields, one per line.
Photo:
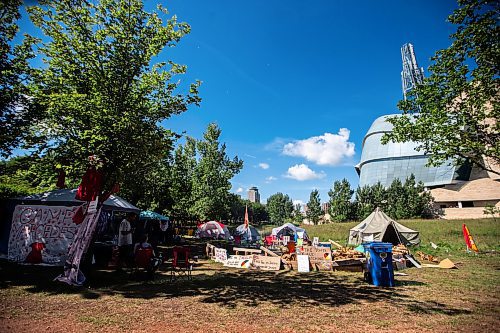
x=229 y=300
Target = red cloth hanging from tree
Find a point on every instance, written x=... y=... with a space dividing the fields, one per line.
x=91 y=185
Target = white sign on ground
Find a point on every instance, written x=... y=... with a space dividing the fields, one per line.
x=266 y=263
x=220 y=255
x=303 y=263
x=237 y=261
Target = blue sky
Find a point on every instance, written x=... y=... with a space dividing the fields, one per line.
x=295 y=85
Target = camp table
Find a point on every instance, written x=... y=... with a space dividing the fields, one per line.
x=246 y=251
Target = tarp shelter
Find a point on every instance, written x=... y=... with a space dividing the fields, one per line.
x=213 y=229
x=66 y=197
x=247 y=233
x=288 y=229
x=47 y=218
x=378 y=227
x=150 y=215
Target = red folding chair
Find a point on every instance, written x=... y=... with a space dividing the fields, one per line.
x=181 y=263
x=143 y=257
x=143 y=261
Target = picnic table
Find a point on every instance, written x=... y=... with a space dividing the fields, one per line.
x=246 y=251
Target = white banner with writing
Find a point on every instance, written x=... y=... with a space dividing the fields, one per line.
x=237 y=261
x=46 y=230
x=220 y=255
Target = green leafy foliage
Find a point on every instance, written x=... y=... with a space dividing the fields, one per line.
x=454 y=114
x=17 y=112
x=399 y=201
x=211 y=178
x=298 y=217
x=101 y=91
x=280 y=208
x=181 y=176
x=257 y=213
x=341 y=207
x=314 y=207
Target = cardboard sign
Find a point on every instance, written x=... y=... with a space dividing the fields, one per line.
x=317 y=253
x=303 y=263
x=220 y=255
x=237 y=261
x=266 y=263
x=51 y=225
x=323 y=265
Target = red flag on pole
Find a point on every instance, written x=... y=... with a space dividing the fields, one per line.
x=469 y=241
x=246 y=217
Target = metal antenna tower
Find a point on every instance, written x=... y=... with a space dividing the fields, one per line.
x=411 y=74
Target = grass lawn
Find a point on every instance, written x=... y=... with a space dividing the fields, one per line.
x=219 y=299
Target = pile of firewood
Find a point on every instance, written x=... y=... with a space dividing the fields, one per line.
x=400 y=249
x=425 y=256
x=289 y=257
x=346 y=253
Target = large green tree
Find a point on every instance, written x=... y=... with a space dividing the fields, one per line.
x=314 y=207
x=279 y=207
x=455 y=113
x=181 y=177
x=17 y=111
x=211 y=179
x=341 y=207
x=101 y=88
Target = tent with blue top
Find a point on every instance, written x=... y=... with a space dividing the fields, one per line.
x=150 y=215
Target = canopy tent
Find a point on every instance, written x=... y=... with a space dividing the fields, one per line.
x=288 y=229
x=378 y=227
x=67 y=197
x=213 y=229
x=150 y=215
x=50 y=218
x=247 y=233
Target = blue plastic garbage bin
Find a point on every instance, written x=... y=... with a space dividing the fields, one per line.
x=379 y=264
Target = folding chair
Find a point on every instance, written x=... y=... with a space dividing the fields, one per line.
x=143 y=261
x=181 y=264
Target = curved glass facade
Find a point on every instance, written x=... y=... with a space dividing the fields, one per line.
x=384 y=163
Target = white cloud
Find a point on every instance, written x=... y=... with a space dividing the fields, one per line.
x=302 y=172
x=264 y=166
x=270 y=179
x=298 y=202
x=327 y=149
x=239 y=190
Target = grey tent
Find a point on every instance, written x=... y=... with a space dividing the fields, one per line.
x=378 y=227
x=67 y=197
x=249 y=234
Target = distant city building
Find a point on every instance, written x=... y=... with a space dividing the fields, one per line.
x=325 y=207
x=253 y=194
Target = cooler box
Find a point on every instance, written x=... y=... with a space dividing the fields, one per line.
x=379 y=264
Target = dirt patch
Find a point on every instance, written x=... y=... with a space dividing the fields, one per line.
x=229 y=300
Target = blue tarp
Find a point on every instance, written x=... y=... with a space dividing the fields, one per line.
x=149 y=215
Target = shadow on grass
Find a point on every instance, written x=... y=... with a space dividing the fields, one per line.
x=228 y=288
